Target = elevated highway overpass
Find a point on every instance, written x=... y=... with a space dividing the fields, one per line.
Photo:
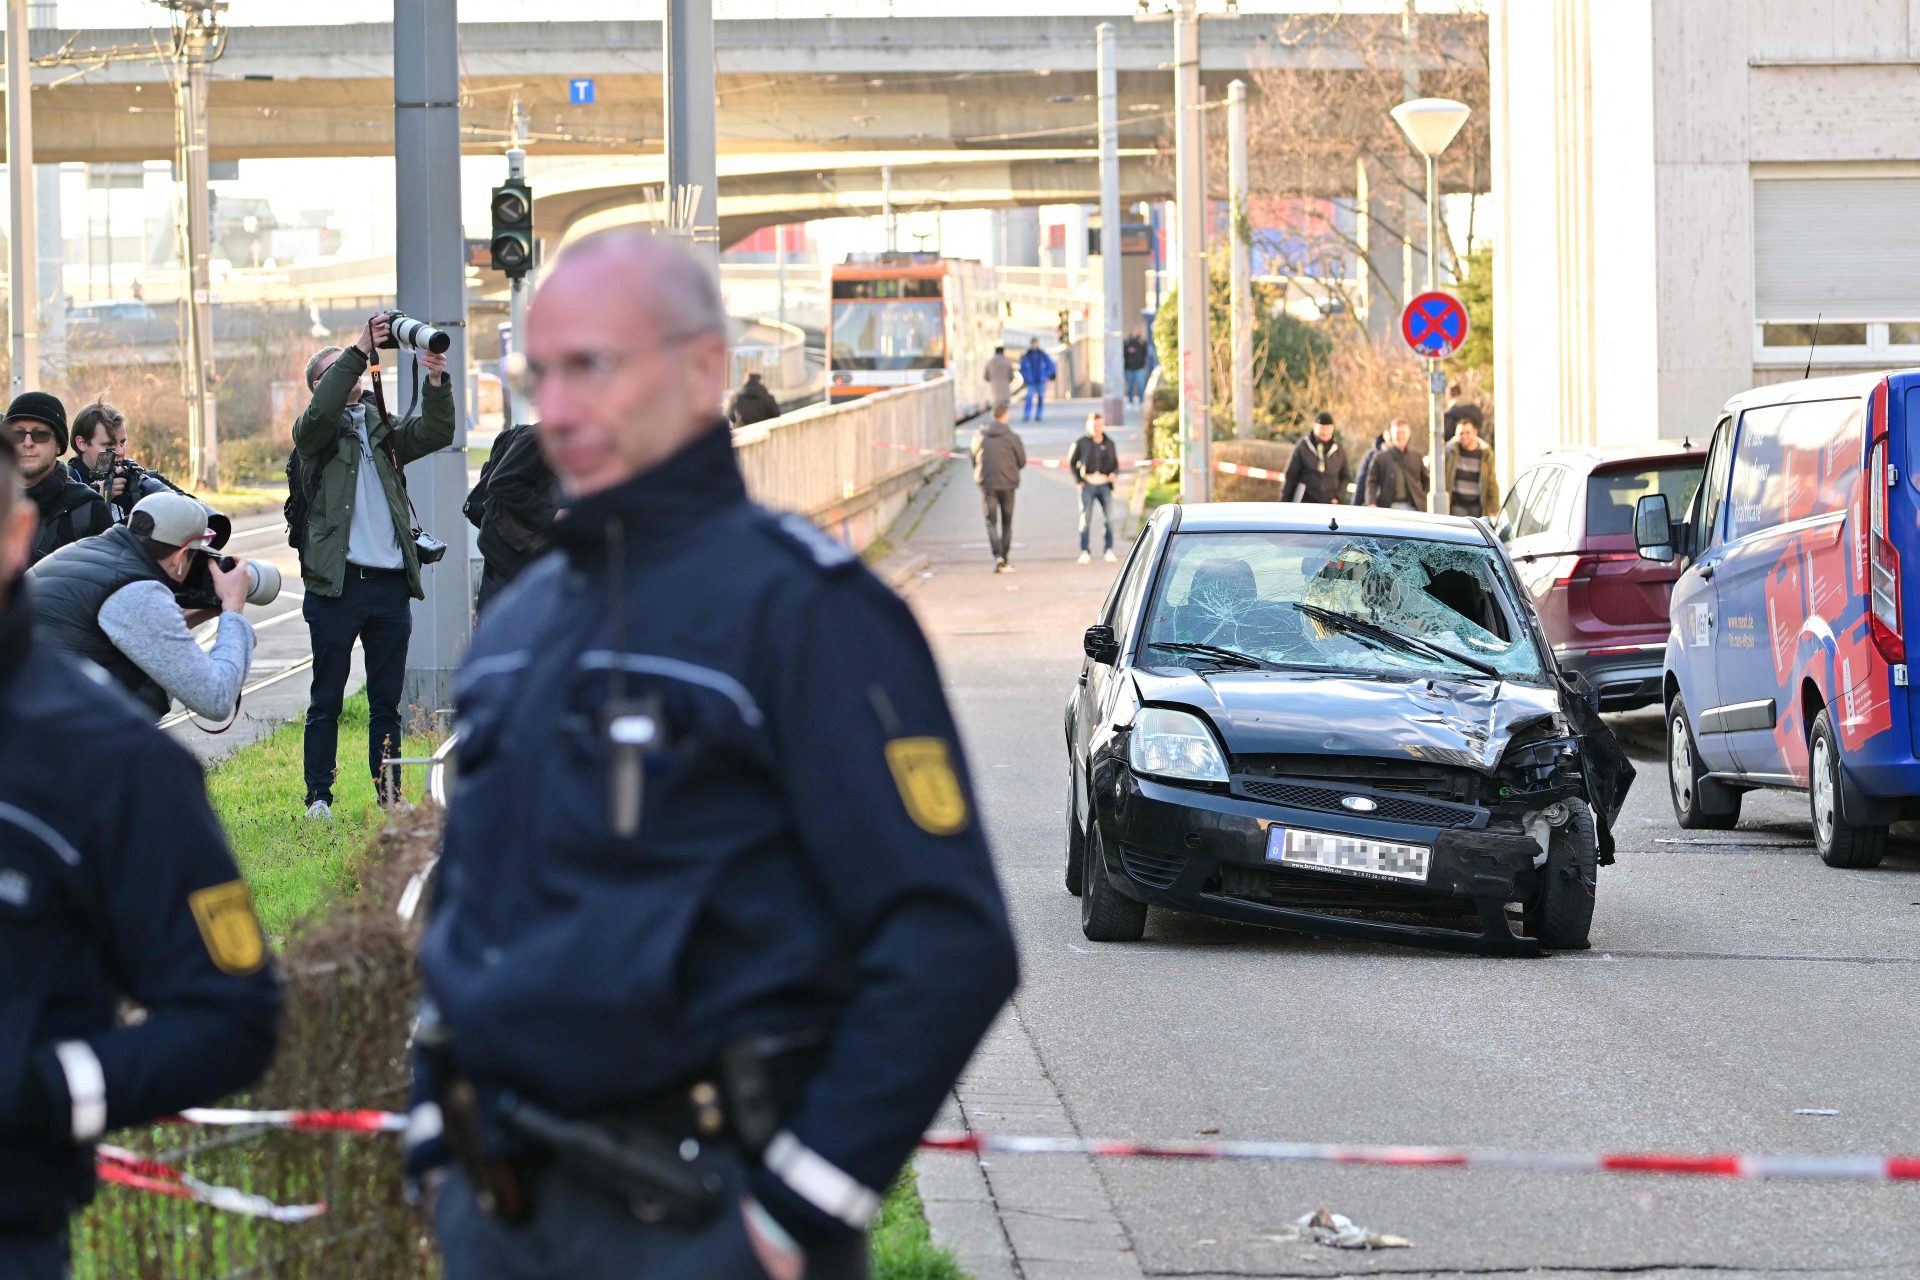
x=793 y=84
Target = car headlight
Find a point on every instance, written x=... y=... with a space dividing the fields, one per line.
x=1175 y=744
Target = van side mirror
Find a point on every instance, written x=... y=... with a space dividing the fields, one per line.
x=1101 y=645
x=1653 y=529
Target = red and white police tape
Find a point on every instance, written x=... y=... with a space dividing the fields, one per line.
x=129 y=1169
x=1847 y=1168
x=1131 y=464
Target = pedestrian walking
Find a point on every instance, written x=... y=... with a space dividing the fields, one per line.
x=717 y=927
x=1133 y=360
x=516 y=526
x=1036 y=370
x=1398 y=477
x=999 y=380
x=118 y=894
x=1095 y=464
x=1361 y=474
x=1471 y=487
x=69 y=510
x=753 y=403
x=1459 y=410
x=1318 y=470
x=360 y=562
x=999 y=460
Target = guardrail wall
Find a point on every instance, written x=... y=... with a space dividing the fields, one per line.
x=850 y=468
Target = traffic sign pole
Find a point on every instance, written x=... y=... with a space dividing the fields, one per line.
x=1434 y=325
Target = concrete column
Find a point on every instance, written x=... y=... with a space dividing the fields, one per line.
x=1113 y=376
x=52 y=246
x=1382 y=262
x=203 y=443
x=690 y=121
x=23 y=282
x=1190 y=158
x=431 y=273
x=1241 y=296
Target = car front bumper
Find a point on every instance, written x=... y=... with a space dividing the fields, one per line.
x=1205 y=852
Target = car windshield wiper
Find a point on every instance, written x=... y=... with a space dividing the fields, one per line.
x=1399 y=639
x=1232 y=656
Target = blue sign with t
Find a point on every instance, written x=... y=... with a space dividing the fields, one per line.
x=580 y=92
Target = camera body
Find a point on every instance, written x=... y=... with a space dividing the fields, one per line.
x=415 y=335
x=196 y=591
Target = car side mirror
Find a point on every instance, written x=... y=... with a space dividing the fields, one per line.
x=1101 y=645
x=1653 y=529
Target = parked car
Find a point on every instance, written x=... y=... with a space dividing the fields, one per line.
x=1786 y=662
x=1568 y=523
x=1338 y=720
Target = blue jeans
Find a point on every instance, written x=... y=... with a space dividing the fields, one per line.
x=1036 y=402
x=378 y=612
x=1136 y=384
x=1091 y=496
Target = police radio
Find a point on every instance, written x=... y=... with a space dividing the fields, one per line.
x=631 y=729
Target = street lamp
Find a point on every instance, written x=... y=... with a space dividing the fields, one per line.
x=1430 y=124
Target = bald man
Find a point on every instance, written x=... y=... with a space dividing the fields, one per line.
x=717 y=927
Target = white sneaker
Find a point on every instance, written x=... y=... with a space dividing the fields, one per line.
x=1085 y=558
x=320 y=811
x=1110 y=558
x=1006 y=567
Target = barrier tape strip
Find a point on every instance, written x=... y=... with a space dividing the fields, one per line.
x=127 y=1169
x=1847 y=1168
x=1052 y=464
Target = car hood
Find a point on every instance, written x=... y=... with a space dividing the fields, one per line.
x=1439 y=721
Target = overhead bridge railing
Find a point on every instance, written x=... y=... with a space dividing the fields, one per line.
x=850 y=467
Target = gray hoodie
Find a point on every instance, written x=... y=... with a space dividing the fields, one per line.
x=999 y=457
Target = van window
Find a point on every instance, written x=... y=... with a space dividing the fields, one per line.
x=1612 y=496
x=1713 y=487
x=1794 y=461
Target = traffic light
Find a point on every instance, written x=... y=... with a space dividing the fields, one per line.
x=1065 y=327
x=511 y=250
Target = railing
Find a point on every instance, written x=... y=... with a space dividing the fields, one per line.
x=829 y=462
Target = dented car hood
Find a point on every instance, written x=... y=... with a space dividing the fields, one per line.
x=1461 y=723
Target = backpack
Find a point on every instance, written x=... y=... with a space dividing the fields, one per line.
x=475 y=507
x=295 y=507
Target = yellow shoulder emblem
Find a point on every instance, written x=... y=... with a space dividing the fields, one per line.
x=929 y=788
x=228 y=926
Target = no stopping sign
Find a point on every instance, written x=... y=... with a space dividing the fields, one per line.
x=1434 y=325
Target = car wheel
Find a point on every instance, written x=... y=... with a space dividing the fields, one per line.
x=1561 y=912
x=1699 y=803
x=1840 y=843
x=1076 y=840
x=1106 y=914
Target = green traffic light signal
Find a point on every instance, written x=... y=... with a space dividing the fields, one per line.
x=512 y=244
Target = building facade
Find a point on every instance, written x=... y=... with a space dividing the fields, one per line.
x=1683 y=187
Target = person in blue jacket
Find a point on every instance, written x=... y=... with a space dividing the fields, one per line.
x=717 y=927
x=122 y=891
x=1036 y=370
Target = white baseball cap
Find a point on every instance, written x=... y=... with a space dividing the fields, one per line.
x=171 y=519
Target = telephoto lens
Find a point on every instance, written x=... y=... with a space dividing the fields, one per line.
x=263 y=580
x=416 y=335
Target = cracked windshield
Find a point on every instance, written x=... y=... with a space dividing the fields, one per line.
x=1360 y=604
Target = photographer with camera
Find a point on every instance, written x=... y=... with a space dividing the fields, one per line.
x=100 y=461
x=360 y=553
x=36 y=426
x=117 y=600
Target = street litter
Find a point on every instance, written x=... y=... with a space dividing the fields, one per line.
x=1815 y=1111
x=1338 y=1231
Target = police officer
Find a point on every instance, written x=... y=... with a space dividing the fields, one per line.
x=130 y=895
x=717 y=927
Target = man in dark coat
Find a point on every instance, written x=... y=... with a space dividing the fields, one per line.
x=999 y=460
x=753 y=403
x=36 y=426
x=1318 y=470
x=1399 y=475
x=517 y=527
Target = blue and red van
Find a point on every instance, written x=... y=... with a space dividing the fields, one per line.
x=1786 y=665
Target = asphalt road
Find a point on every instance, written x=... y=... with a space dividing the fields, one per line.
x=1733 y=979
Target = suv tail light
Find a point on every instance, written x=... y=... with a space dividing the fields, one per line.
x=1582 y=567
x=1881 y=567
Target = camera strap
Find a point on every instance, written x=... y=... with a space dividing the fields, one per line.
x=386 y=442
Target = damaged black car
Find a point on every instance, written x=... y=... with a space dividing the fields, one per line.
x=1336 y=720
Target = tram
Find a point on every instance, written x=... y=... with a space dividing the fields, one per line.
x=901 y=318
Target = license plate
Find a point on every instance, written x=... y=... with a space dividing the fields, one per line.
x=1348 y=855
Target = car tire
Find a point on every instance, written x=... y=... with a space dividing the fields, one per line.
x=1561 y=912
x=1839 y=843
x=1106 y=914
x=1699 y=803
x=1076 y=839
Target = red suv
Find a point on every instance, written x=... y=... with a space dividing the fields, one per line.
x=1568 y=523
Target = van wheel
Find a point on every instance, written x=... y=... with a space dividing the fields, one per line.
x=1076 y=841
x=1839 y=842
x=1106 y=914
x=1699 y=803
x=1561 y=913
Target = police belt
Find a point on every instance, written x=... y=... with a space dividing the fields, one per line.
x=654 y=1156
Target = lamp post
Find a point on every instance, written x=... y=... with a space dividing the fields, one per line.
x=1431 y=124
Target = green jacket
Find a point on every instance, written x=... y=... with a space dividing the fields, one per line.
x=326 y=441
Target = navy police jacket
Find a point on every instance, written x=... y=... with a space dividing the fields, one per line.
x=807 y=857
x=119 y=889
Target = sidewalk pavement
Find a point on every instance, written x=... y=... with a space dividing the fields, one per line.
x=1050 y=1219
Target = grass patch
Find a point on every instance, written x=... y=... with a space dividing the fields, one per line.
x=242 y=497
x=1162 y=491
x=298 y=868
x=900 y=1248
